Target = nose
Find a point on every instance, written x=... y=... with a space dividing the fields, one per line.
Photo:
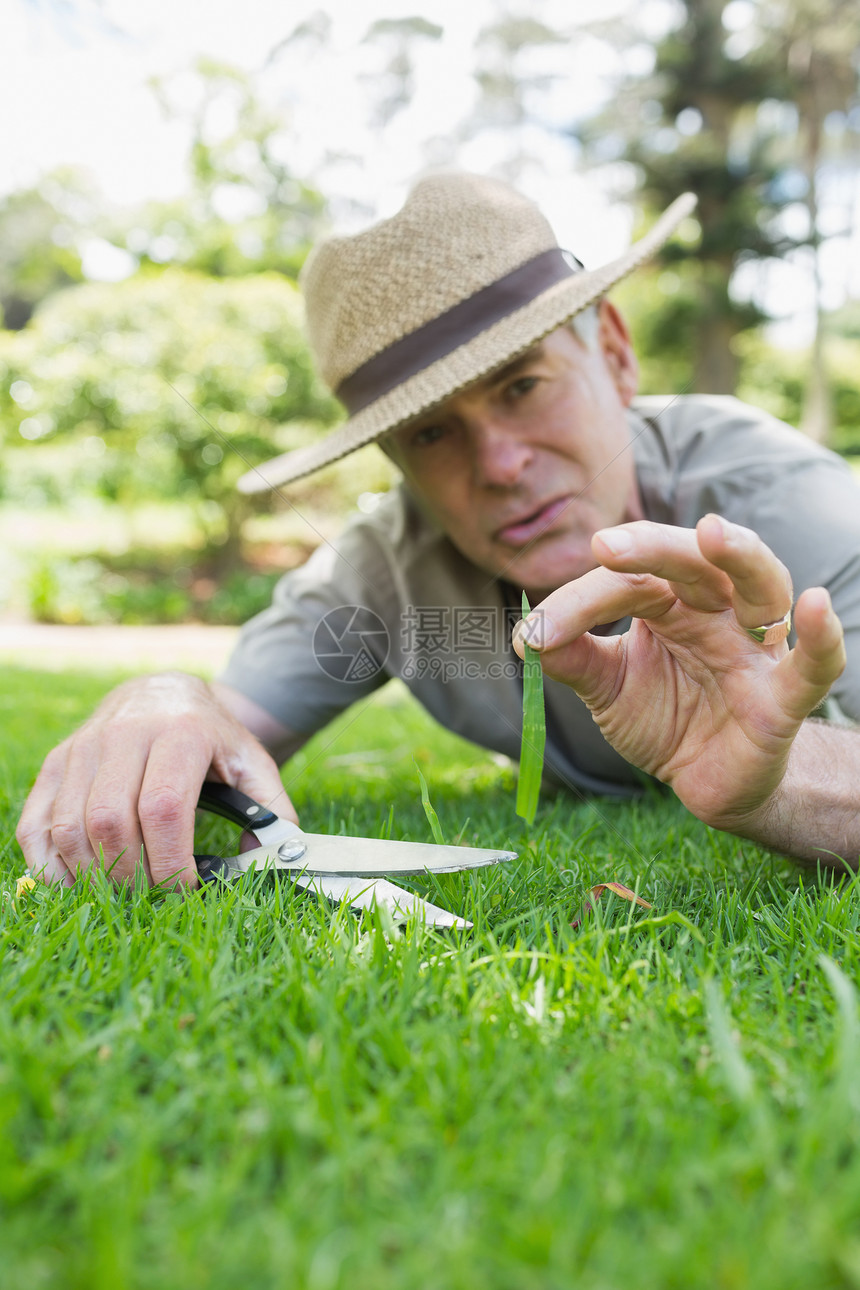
x=499 y=454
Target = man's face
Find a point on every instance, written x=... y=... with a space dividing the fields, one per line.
x=521 y=469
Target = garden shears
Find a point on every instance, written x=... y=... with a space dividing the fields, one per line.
x=341 y=868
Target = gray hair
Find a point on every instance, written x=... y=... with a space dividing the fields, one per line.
x=585 y=326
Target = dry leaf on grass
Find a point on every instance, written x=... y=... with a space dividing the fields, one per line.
x=619 y=889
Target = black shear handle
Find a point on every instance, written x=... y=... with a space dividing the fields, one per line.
x=235 y=806
x=238 y=808
x=211 y=867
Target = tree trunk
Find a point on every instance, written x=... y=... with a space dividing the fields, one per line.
x=817 y=417
x=715 y=367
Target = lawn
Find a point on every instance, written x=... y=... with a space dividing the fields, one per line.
x=248 y=1088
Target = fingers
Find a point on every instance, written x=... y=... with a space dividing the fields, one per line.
x=170 y=786
x=34 y=828
x=802 y=679
x=761 y=583
x=645 y=567
x=599 y=596
x=94 y=816
x=592 y=666
x=121 y=793
x=669 y=553
x=649 y=571
x=716 y=565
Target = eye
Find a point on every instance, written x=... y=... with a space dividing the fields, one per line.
x=520 y=387
x=427 y=435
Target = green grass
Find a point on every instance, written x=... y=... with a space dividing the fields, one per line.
x=249 y=1088
x=533 y=742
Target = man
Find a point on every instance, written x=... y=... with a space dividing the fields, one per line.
x=500 y=380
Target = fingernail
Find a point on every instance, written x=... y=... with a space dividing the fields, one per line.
x=726 y=530
x=619 y=541
x=536 y=630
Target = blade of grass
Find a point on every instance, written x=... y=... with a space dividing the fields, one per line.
x=432 y=817
x=534 y=732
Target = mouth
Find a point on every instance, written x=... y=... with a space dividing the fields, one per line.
x=528 y=527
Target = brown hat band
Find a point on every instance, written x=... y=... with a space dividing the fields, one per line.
x=453 y=328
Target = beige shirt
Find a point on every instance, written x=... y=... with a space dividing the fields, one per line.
x=402 y=601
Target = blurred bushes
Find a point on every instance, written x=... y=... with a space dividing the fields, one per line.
x=164 y=389
x=169 y=385
x=144 y=588
x=37 y=242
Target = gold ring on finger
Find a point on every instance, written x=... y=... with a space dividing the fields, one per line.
x=771 y=633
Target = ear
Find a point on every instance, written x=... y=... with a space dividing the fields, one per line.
x=614 y=340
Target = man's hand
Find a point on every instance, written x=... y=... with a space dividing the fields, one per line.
x=124 y=786
x=686 y=694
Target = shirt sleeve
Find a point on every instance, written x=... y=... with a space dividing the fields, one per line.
x=322 y=644
x=811 y=520
x=801 y=499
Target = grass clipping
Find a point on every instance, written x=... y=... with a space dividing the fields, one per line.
x=534 y=731
x=429 y=810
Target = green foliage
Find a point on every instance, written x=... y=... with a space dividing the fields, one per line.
x=167 y=385
x=775 y=380
x=845 y=321
x=250 y=1087
x=772 y=379
x=186 y=233
x=716 y=152
x=661 y=307
x=515 y=74
x=143 y=588
x=38 y=229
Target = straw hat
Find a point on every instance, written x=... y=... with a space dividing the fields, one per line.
x=463 y=279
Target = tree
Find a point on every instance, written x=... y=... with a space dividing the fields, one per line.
x=248 y=212
x=694 y=122
x=519 y=58
x=729 y=111
x=817 y=43
x=396 y=86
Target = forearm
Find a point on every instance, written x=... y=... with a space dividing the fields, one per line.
x=814 y=814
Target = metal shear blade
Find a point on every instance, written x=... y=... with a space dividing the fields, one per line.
x=341 y=868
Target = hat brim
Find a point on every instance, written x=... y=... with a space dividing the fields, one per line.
x=493 y=348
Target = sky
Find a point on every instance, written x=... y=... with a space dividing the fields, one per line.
x=77 y=92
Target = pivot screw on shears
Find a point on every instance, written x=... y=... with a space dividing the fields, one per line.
x=292 y=850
